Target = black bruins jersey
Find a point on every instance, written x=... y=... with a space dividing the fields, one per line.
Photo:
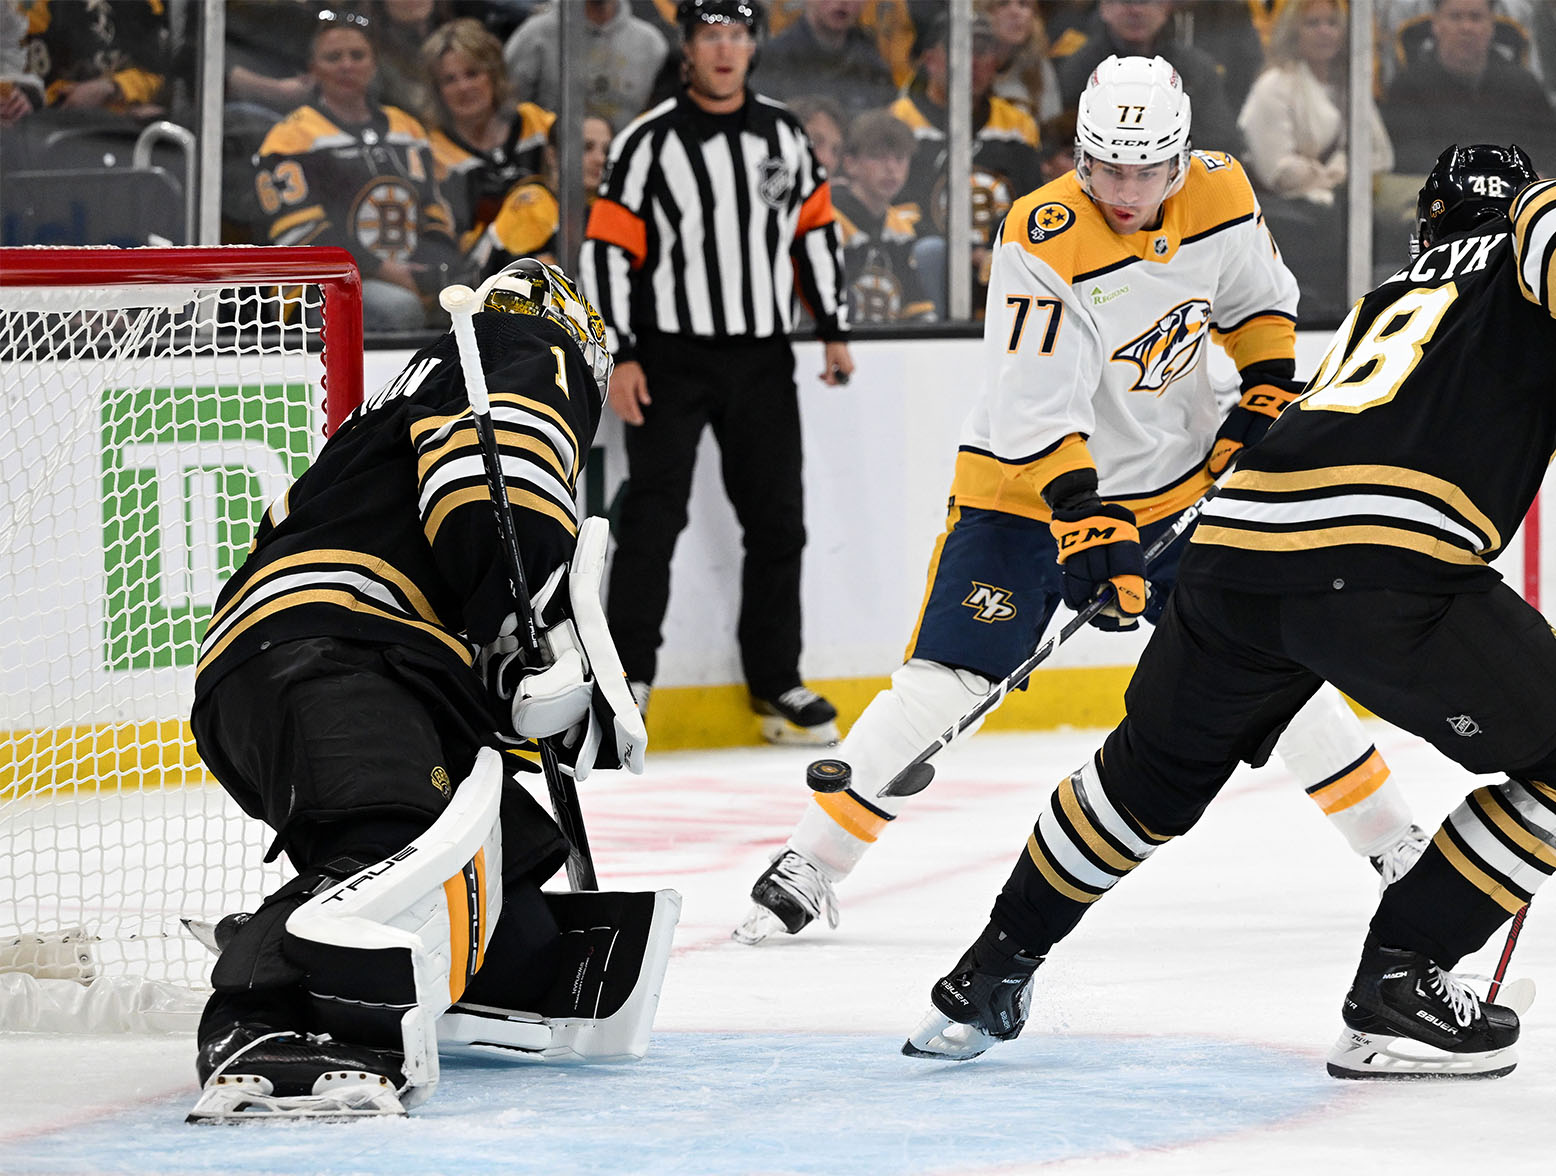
x=369 y=188
x=389 y=537
x=1423 y=437
x=1005 y=162
x=883 y=283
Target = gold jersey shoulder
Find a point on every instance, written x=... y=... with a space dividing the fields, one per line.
x=297 y=133
x=1534 y=245
x=1059 y=223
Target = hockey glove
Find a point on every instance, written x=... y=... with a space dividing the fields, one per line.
x=1099 y=545
x=1265 y=396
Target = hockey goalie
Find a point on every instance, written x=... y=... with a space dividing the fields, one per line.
x=362 y=691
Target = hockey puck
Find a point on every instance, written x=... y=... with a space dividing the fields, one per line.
x=828 y=775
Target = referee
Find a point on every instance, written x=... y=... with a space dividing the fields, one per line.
x=713 y=215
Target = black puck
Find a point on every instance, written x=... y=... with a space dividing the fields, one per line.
x=828 y=775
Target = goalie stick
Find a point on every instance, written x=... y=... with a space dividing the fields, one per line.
x=916 y=776
x=460 y=302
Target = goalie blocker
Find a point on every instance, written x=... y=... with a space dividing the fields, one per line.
x=390 y=949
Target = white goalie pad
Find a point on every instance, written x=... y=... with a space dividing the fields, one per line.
x=437 y=900
x=616 y=947
x=613 y=701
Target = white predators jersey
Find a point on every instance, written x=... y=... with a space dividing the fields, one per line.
x=1095 y=344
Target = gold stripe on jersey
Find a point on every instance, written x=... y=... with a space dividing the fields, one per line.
x=1081 y=843
x=1348 y=536
x=282 y=224
x=852 y=815
x=1350 y=785
x=524 y=499
x=1266 y=336
x=986 y=482
x=1215 y=196
x=341 y=599
x=1387 y=477
x=433 y=423
x=372 y=565
x=1534 y=243
x=507 y=439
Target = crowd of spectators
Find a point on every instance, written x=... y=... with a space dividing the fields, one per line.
x=454 y=101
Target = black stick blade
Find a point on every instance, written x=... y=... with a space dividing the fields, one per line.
x=911 y=780
x=828 y=775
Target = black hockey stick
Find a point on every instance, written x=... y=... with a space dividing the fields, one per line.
x=461 y=305
x=916 y=776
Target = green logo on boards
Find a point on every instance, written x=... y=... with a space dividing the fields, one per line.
x=187 y=474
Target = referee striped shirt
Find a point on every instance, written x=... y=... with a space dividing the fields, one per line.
x=709 y=224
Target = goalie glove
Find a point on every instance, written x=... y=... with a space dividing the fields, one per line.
x=1267 y=389
x=1099 y=546
x=552 y=696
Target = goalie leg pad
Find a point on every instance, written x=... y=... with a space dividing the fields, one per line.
x=614 y=948
x=390 y=948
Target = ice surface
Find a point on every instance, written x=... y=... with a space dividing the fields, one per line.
x=1181 y=1029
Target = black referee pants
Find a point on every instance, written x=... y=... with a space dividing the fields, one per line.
x=745 y=392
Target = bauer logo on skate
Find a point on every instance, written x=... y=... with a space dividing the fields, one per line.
x=1170 y=348
x=989 y=604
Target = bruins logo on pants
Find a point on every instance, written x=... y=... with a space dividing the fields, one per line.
x=1170 y=348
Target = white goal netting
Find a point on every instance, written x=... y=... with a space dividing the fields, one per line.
x=149 y=424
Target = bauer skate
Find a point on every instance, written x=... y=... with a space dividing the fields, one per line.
x=797 y=716
x=984 y=1000
x=1407 y=1018
x=253 y=1074
x=789 y=895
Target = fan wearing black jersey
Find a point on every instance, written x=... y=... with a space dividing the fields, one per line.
x=1352 y=545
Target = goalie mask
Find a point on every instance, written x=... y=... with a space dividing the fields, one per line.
x=530 y=286
x=1133 y=112
x=1469 y=186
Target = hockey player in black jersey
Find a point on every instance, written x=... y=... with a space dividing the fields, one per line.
x=355 y=676
x=1352 y=545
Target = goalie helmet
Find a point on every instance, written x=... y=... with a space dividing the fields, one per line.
x=531 y=286
x=1133 y=111
x=1467 y=187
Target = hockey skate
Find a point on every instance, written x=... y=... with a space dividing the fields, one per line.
x=983 y=1001
x=1407 y=1018
x=1395 y=861
x=788 y=896
x=253 y=1074
x=798 y=716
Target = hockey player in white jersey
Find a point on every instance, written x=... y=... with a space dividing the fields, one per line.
x=1098 y=425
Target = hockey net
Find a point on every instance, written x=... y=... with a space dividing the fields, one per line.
x=156 y=401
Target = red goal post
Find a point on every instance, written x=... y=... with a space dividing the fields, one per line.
x=157 y=400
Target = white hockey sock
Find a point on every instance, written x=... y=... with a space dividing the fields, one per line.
x=924 y=699
x=1328 y=751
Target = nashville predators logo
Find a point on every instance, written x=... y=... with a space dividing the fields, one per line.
x=1170 y=348
x=1048 y=220
x=385 y=219
x=989 y=604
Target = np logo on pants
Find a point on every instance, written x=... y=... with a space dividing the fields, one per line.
x=989 y=604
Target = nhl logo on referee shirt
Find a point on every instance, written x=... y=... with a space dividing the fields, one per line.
x=775 y=180
x=1048 y=220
